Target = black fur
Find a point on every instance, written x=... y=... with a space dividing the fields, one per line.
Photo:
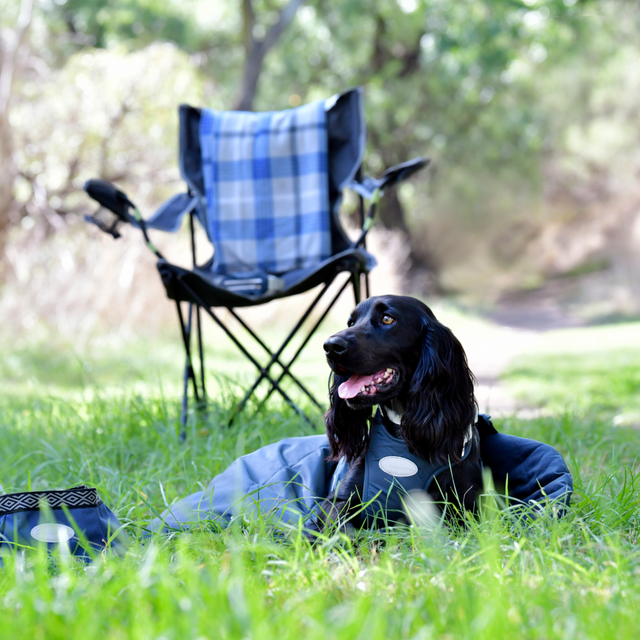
x=432 y=388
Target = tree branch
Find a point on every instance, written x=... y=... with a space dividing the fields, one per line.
x=13 y=41
x=256 y=50
x=284 y=19
x=248 y=22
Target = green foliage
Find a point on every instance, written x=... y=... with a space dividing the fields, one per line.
x=488 y=88
x=521 y=105
x=433 y=68
x=100 y=23
x=441 y=77
x=106 y=113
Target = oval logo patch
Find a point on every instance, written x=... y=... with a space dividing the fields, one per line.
x=398 y=467
x=52 y=532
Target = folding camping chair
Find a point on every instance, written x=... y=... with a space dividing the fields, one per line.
x=267 y=188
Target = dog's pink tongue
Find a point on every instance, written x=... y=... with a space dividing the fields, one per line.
x=352 y=386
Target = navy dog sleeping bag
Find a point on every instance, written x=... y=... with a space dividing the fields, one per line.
x=288 y=480
x=74 y=517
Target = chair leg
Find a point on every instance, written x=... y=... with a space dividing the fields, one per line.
x=356 y=287
x=201 y=354
x=189 y=373
x=241 y=347
x=192 y=370
x=185 y=392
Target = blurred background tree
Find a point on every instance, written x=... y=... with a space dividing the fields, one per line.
x=12 y=39
x=527 y=107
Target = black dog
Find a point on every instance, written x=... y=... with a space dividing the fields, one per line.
x=395 y=354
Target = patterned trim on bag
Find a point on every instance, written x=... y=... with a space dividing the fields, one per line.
x=30 y=500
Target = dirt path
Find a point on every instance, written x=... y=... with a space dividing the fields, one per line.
x=515 y=328
x=488 y=358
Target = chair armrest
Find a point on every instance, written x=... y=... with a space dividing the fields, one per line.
x=401 y=172
x=116 y=201
x=110 y=197
x=367 y=186
x=372 y=189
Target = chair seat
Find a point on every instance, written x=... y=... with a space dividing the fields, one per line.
x=201 y=281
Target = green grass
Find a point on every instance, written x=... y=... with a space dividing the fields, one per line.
x=576 y=578
x=44 y=360
x=589 y=370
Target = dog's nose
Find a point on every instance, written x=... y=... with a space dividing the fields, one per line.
x=335 y=346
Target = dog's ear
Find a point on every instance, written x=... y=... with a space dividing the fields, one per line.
x=347 y=429
x=440 y=404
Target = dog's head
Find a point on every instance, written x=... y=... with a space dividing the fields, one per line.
x=394 y=351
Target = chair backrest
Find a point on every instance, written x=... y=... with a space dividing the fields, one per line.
x=270 y=184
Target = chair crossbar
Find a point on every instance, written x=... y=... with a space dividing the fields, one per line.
x=285 y=371
x=286 y=367
x=248 y=328
x=274 y=356
x=304 y=344
x=276 y=360
x=263 y=371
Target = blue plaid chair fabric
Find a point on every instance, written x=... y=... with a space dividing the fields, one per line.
x=266 y=184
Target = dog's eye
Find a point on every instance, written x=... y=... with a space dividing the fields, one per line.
x=350 y=322
x=387 y=319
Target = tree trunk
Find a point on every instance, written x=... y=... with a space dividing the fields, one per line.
x=422 y=270
x=7 y=174
x=11 y=41
x=391 y=212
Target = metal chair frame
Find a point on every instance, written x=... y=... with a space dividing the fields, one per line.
x=199 y=387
